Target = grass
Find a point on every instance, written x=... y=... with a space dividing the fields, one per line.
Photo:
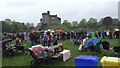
x=20 y=60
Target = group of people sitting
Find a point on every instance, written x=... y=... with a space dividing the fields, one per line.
x=93 y=45
x=11 y=49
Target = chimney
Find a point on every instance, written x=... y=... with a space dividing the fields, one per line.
x=48 y=12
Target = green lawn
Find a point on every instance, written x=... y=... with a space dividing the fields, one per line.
x=20 y=60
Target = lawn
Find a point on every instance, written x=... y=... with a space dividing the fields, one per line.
x=20 y=60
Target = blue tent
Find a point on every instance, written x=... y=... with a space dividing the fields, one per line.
x=91 y=42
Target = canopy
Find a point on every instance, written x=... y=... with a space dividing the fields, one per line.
x=91 y=42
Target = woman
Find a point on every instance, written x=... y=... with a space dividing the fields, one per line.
x=8 y=49
x=56 y=46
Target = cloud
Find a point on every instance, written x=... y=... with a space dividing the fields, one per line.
x=31 y=10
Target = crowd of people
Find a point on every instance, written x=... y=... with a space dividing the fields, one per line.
x=45 y=38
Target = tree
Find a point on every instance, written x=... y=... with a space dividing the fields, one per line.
x=115 y=21
x=6 y=27
x=17 y=27
x=92 y=20
x=82 y=23
x=74 y=23
x=100 y=22
x=8 y=21
x=107 y=21
x=66 y=23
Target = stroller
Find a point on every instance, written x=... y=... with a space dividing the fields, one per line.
x=39 y=54
x=105 y=45
x=116 y=50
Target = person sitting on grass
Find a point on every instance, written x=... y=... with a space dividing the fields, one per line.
x=81 y=47
x=56 y=46
x=19 y=46
x=8 y=50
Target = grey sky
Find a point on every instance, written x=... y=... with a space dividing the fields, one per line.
x=71 y=10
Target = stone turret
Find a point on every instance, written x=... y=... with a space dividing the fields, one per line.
x=49 y=19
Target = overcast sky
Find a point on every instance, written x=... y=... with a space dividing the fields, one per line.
x=71 y=10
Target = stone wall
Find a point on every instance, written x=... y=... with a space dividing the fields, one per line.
x=48 y=19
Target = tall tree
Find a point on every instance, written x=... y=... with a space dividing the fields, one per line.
x=92 y=20
x=17 y=27
x=66 y=23
x=74 y=23
x=82 y=23
x=115 y=21
x=100 y=22
x=107 y=21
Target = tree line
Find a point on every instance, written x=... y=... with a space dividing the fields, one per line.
x=13 y=26
x=92 y=23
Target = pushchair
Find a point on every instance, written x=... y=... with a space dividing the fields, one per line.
x=116 y=50
x=39 y=55
x=106 y=45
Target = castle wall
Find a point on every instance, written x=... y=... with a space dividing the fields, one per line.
x=50 y=19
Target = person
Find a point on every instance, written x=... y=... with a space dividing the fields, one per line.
x=93 y=35
x=83 y=43
x=32 y=38
x=85 y=40
x=108 y=34
x=8 y=49
x=19 y=46
x=56 y=46
x=45 y=39
x=103 y=34
x=99 y=34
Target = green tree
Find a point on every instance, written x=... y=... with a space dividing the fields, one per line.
x=6 y=27
x=107 y=21
x=92 y=21
x=74 y=23
x=17 y=27
x=82 y=23
x=66 y=23
x=115 y=21
x=100 y=22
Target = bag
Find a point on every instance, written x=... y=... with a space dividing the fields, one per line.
x=80 y=47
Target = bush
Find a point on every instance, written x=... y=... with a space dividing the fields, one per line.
x=107 y=28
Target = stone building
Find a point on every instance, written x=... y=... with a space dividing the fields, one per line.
x=48 y=19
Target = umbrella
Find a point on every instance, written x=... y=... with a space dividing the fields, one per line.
x=22 y=33
x=42 y=31
x=6 y=40
x=91 y=42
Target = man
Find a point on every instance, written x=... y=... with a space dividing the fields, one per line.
x=32 y=38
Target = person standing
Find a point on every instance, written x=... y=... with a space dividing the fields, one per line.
x=32 y=38
x=45 y=39
x=103 y=34
x=110 y=34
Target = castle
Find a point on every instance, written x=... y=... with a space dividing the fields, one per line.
x=48 y=19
